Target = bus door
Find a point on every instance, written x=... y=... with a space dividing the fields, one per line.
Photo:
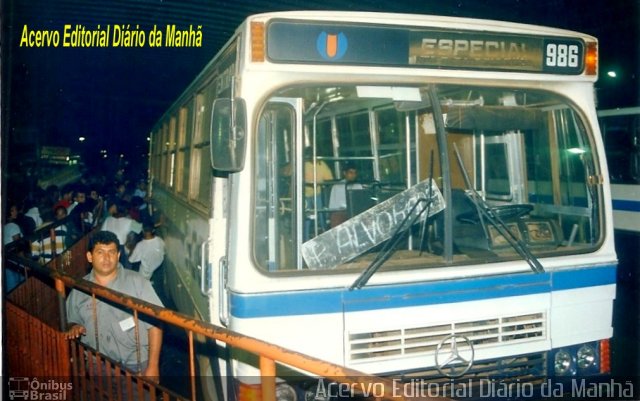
x=214 y=270
x=501 y=167
x=279 y=197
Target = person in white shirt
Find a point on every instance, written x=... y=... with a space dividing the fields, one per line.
x=338 y=196
x=149 y=252
x=11 y=232
x=121 y=225
x=34 y=213
x=141 y=189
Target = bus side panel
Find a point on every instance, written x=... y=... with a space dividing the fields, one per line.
x=318 y=335
x=580 y=315
x=184 y=231
x=626 y=207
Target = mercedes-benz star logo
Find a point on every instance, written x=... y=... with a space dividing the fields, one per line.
x=454 y=356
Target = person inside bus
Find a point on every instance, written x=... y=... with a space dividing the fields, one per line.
x=318 y=174
x=338 y=196
x=108 y=328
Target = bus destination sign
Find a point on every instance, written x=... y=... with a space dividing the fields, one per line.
x=362 y=44
x=473 y=50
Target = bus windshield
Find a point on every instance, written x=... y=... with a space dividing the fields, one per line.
x=340 y=170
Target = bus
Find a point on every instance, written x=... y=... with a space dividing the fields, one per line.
x=621 y=134
x=477 y=243
x=19 y=388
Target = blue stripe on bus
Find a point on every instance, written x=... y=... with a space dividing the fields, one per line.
x=337 y=300
x=626 y=205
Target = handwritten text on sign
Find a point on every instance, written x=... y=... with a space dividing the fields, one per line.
x=370 y=228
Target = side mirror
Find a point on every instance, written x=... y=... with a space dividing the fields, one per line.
x=228 y=134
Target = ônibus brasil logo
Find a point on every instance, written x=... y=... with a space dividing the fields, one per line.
x=32 y=389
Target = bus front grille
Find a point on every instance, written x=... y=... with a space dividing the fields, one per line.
x=383 y=345
x=482 y=377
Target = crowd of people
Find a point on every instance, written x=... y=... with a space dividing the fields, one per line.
x=124 y=252
x=42 y=223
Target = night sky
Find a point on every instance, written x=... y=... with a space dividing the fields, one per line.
x=112 y=96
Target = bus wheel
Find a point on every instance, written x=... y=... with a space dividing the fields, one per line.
x=210 y=384
x=212 y=376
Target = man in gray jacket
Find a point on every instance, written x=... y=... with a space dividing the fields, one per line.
x=114 y=333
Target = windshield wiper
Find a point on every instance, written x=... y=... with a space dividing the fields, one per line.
x=390 y=245
x=486 y=212
x=400 y=233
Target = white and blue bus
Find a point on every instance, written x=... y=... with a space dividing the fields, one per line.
x=477 y=240
x=621 y=134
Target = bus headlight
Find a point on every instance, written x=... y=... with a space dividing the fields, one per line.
x=586 y=357
x=285 y=392
x=562 y=363
x=313 y=394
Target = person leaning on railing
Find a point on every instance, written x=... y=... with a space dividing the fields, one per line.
x=113 y=332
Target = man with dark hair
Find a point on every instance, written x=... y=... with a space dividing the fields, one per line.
x=123 y=226
x=149 y=252
x=79 y=212
x=338 y=196
x=107 y=328
x=66 y=195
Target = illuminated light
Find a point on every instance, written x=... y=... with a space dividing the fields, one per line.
x=576 y=151
x=285 y=392
x=605 y=356
x=249 y=392
x=257 y=41
x=612 y=74
x=591 y=59
x=82 y=139
x=562 y=363
x=586 y=357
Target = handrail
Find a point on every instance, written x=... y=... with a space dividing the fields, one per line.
x=268 y=353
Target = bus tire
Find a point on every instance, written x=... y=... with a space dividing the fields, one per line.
x=210 y=384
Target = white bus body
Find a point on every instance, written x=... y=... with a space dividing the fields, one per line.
x=621 y=133
x=405 y=99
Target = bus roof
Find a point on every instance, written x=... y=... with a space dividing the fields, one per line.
x=435 y=21
x=418 y=41
x=413 y=25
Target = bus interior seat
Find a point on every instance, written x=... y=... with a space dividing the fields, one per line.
x=461 y=205
x=359 y=200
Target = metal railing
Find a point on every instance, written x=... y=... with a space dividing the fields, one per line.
x=94 y=381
